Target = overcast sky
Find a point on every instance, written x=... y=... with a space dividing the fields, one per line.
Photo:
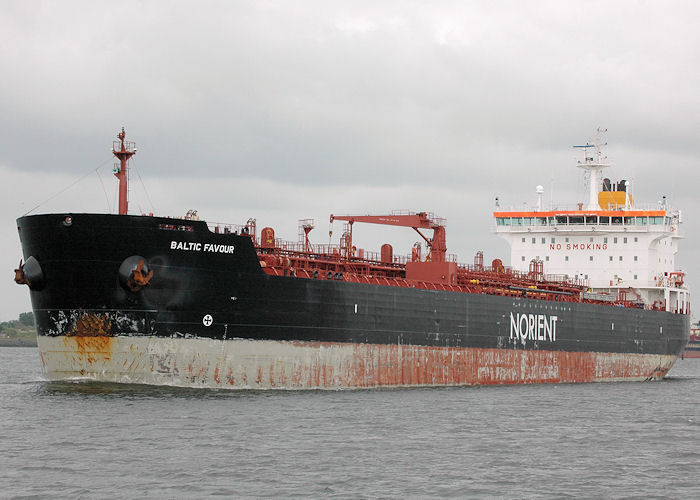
x=289 y=110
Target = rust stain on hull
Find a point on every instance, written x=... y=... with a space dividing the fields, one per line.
x=91 y=325
x=92 y=349
x=247 y=364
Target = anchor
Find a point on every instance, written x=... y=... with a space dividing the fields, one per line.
x=20 y=277
x=138 y=279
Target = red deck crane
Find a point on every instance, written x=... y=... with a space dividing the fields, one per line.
x=437 y=244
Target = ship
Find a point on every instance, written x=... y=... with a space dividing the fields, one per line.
x=692 y=349
x=147 y=299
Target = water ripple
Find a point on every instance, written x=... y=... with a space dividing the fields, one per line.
x=96 y=440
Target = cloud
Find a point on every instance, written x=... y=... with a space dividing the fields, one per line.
x=359 y=106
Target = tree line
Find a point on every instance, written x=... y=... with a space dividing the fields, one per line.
x=24 y=323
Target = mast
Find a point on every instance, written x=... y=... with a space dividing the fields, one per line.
x=594 y=165
x=123 y=150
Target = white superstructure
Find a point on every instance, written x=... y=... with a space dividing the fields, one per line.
x=614 y=246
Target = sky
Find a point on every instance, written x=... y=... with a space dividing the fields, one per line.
x=289 y=110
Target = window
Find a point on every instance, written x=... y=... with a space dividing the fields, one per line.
x=547 y=258
x=624 y=240
x=590 y=239
x=523 y=240
x=636 y=239
x=585 y=277
x=566 y=258
x=635 y=258
x=611 y=258
x=523 y=258
x=620 y=258
x=554 y=240
x=615 y=239
x=533 y=240
x=635 y=276
x=544 y=240
x=566 y=240
x=590 y=257
x=605 y=240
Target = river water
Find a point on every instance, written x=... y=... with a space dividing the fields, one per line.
x=546 y=441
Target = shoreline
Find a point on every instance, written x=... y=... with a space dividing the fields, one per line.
x=17 y=342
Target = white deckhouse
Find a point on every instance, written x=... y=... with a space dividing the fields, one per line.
x=619 y=249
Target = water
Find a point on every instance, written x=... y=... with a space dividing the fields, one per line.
x=550 y=441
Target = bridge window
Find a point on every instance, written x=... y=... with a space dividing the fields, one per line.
x=576 y=220
x=541 y=221
x=591 y=219
x=605 y=220
x=617 y=220
x=641 y=221
x=629 y=221
x=527 y=221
